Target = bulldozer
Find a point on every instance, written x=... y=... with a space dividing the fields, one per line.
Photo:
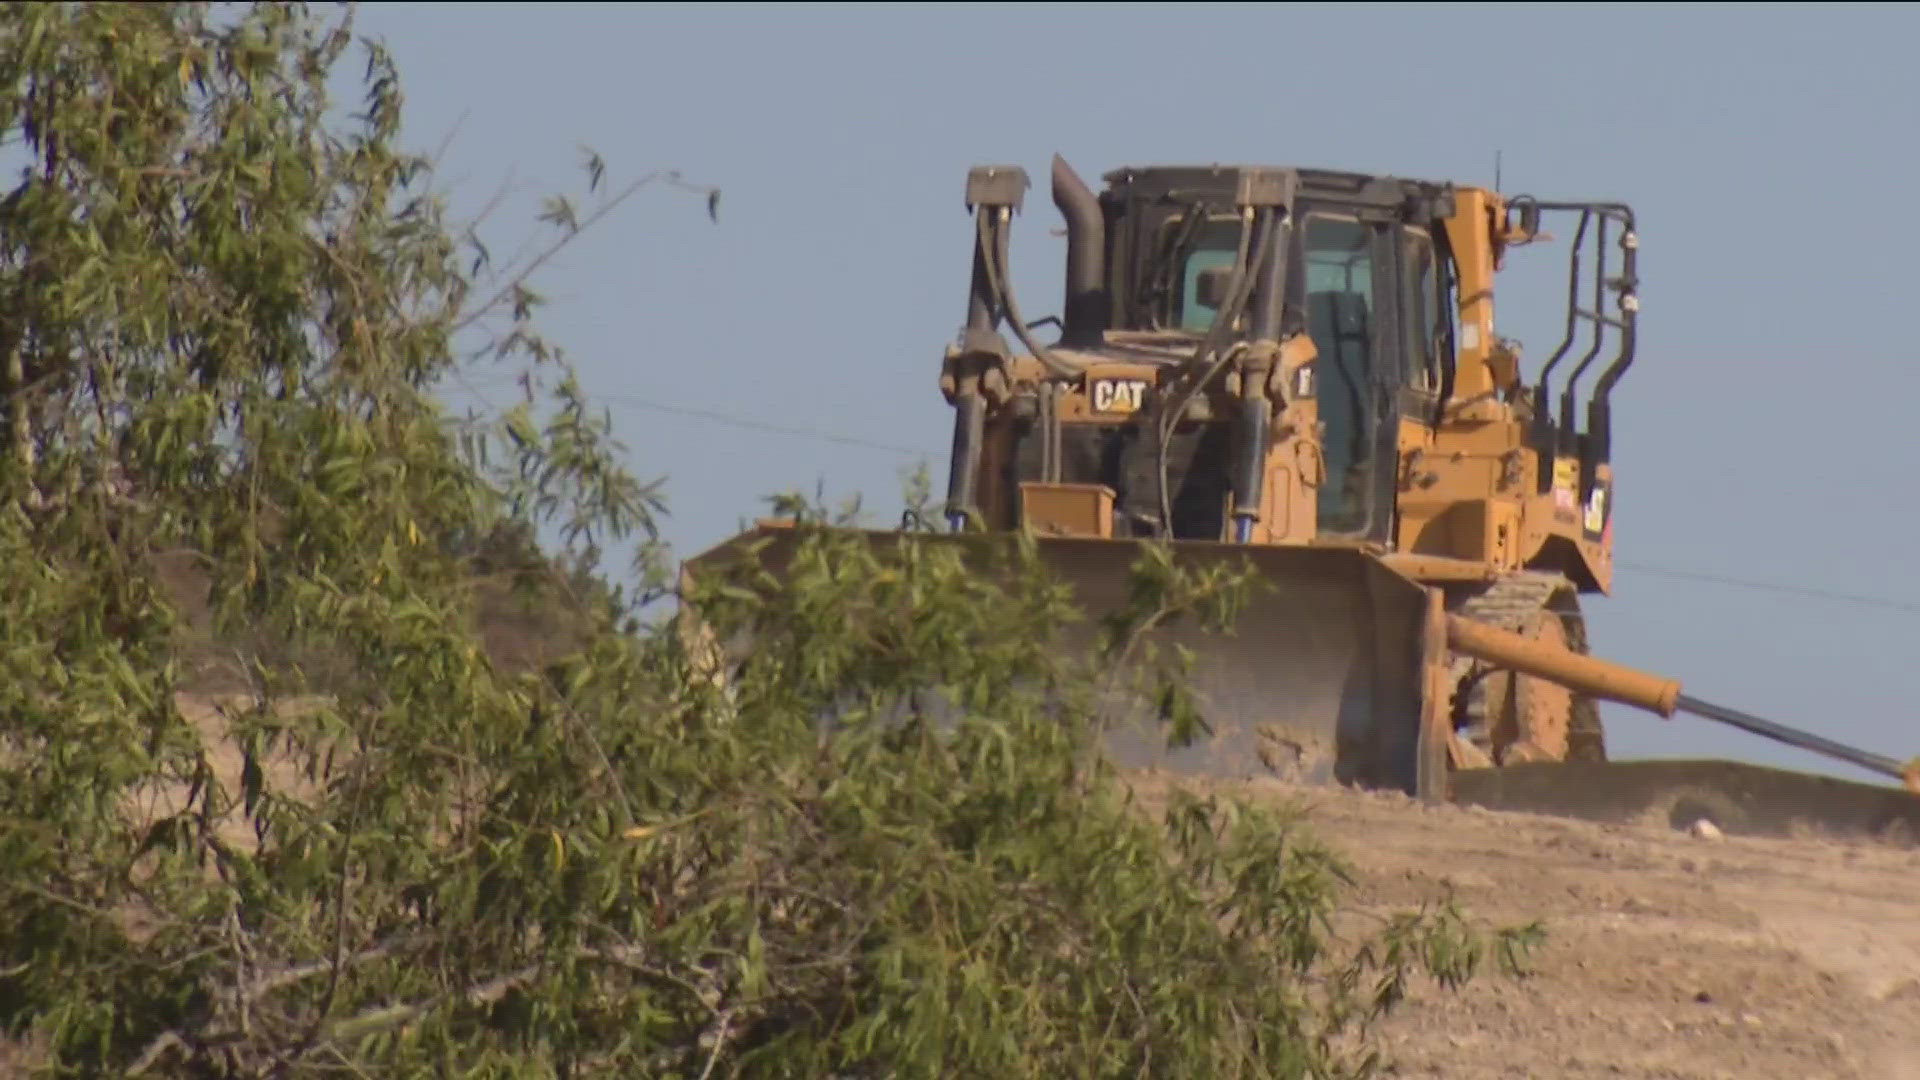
x=1300 y=370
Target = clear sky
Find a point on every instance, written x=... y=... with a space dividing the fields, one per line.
x=1765 y=433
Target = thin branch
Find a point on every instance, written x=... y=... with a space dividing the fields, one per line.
x=719 y=1042
x=245 y=997
x=151 y=1055
x=613 y=775
x=555 y=247
x=82 y=906
x=440 y=152
x=625 y=959
x=347 y=1062
x=245 y=954
x=290 y=976
x=340 y=901
x=388 y=1016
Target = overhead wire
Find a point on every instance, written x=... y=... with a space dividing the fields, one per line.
x=1908 y=607
x=762 y=425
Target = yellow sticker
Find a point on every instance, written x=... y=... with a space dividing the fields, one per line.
x=1566 y=473
x=1566 y=484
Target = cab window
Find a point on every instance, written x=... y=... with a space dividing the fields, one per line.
x=1218 y=242
x=1422 y=290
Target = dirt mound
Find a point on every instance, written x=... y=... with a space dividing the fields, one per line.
x=1669 y=953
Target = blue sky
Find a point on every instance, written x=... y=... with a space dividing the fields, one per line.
x=1766 y=432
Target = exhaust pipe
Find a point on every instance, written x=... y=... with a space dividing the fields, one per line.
x=1088 y=307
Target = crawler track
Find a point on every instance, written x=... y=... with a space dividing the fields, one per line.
x=1519 y=603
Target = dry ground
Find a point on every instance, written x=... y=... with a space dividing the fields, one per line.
x=1668 y=955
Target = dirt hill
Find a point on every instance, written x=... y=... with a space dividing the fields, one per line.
x=1668 y=955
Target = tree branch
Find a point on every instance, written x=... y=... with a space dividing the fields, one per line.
x=554 y=248
x=720 y=1031
x=245 y=997
x=151 y=1055
x=387 y=1016
x=335 y=964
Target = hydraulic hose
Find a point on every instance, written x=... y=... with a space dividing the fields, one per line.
x=1256 y=412
x=1250 y=477
x=997 y=268
x=969 y=428
x=1245 y=272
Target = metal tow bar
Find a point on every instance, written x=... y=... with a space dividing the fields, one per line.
x=1908 y=774
x=1648 y=692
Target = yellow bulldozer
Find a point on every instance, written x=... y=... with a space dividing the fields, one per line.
x=1300 y=369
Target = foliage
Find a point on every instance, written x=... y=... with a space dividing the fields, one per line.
x=222 y=314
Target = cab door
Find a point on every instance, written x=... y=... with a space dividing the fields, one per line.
x=1371 y=297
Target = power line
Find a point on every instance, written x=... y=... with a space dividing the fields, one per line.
x=1889 y=604
x=762 y=425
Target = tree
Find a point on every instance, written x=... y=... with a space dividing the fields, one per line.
x=403 y=847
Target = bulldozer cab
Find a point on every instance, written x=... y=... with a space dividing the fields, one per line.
x=1299 y=367
x=1367 y=293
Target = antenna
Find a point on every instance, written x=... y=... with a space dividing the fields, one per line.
x=1496 y=171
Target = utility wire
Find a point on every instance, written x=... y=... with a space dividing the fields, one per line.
x=1885 y=603
x=761 y=425
x=1891 y=604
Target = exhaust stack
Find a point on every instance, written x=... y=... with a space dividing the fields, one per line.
x=1087 y=308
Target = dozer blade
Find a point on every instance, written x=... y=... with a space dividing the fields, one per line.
x=1336 y=670
x=1326 y=674
x=1739 y=799
x=1318 y=679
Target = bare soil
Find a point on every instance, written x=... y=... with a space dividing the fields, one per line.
x=1667 y=954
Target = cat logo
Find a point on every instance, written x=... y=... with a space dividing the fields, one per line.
x=1117 y=395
